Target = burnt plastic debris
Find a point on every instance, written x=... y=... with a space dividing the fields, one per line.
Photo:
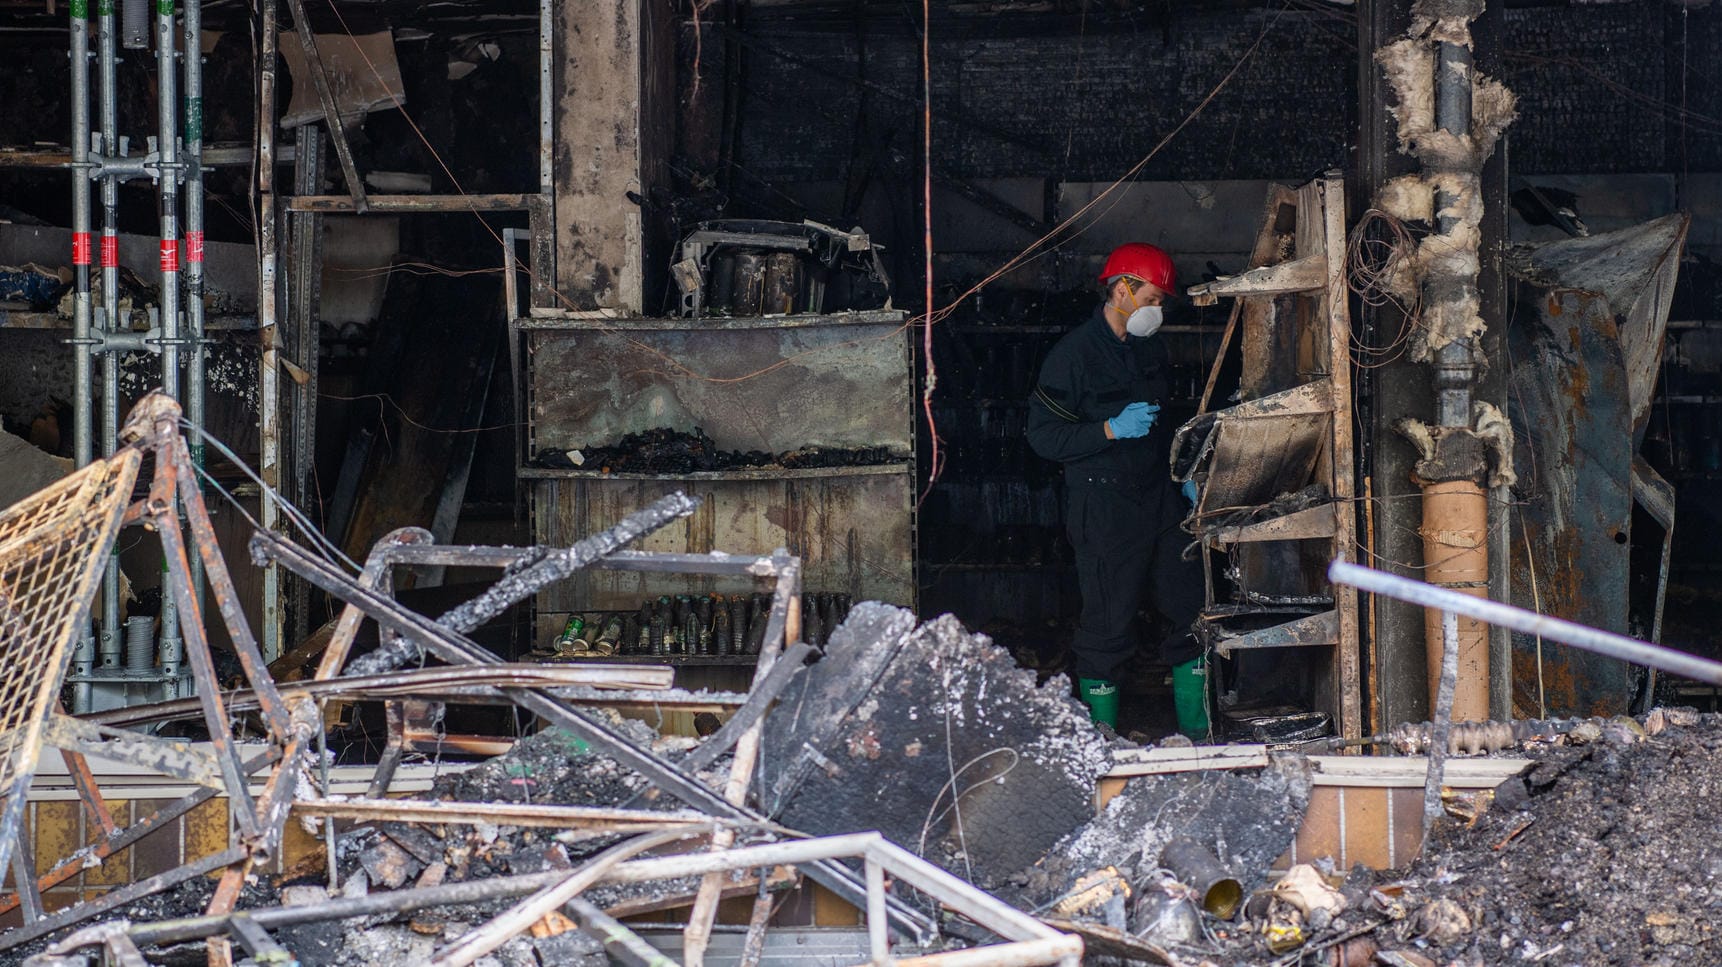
x=691 y=626
x=666 y=451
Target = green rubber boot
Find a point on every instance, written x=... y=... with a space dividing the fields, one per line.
x=1190 y=697
x=1101 y=697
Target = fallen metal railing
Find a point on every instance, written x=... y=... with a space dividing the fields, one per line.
x=1659 y=657
x=1027 y=941
x=1453 y=603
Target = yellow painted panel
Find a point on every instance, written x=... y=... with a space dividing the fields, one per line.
x=831 y=910
x=205 y=830
x=115 y=870
x=296 y=845
x=59 y=832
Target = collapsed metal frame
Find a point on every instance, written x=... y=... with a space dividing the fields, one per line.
x=1026 y=942
x=153 y=429
x=405 y=632
x=717 y=819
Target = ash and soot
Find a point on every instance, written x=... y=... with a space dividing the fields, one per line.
x=1601 y=853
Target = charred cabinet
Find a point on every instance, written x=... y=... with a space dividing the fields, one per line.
x=1276 y=470
x=771 y=384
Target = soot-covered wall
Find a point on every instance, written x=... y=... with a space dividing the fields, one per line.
x=1610 y=88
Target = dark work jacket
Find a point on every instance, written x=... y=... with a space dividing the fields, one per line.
x=1088 y=377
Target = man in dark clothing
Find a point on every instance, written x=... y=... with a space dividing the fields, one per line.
x=1096 y=410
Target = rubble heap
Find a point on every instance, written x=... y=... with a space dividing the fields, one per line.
x=1603 y=853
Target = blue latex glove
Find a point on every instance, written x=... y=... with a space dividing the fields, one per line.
x=1134 y=421
x=1189 y=490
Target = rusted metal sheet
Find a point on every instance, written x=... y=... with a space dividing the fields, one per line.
x=1634 y=269
x=770 y=384
x=1309 y=524
x=1587 y=350
x=1258 y=450
x=1315 y=629
x=1567 y=401
x=850 y=527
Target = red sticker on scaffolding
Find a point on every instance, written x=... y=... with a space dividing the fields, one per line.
x=81 y=248
x=194 y=247
x=110 y=251
x=169 y=255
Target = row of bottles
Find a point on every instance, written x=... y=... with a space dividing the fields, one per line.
x=707 y=625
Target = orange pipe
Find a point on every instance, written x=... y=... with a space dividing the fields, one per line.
x=1456 y=556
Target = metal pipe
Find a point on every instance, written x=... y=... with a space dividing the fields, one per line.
x=268 y=330
x=194 y=377
x=1528 y=622
x=1455 y=512
x=167 y=190
x=553 y=565
x=515 y=920
x=479 y=891
x=167 y=183
x=1441 y=726
x=878 y=926
x=622 y=944
x=112 y=147
x=83 y=372
x=83 y=431
x=546 y=103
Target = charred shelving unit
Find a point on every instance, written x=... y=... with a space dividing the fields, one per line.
x=771 y=383
x=1276 y=470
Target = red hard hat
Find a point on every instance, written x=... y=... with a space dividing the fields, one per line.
x=1150 y=263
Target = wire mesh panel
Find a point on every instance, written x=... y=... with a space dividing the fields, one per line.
x=53 y=545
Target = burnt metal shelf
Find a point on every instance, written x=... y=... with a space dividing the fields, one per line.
x=554 y=320
x=751 y=473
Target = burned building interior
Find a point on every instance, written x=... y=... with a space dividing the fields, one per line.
x=567 y=482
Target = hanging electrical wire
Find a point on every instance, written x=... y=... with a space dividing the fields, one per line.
x=930 y=374
x=322 y=545
x=1380 y=254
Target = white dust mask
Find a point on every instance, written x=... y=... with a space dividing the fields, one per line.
x=1145 y=321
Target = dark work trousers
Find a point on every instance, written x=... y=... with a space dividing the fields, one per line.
x=1129 y=552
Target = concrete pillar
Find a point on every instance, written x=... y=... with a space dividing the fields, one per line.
x=614 y=75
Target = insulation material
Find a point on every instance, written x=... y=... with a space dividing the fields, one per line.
x=1447 y=264
x=1493 y=107
x=1409 y=198
x=1410 y=69
x=1493 y=427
